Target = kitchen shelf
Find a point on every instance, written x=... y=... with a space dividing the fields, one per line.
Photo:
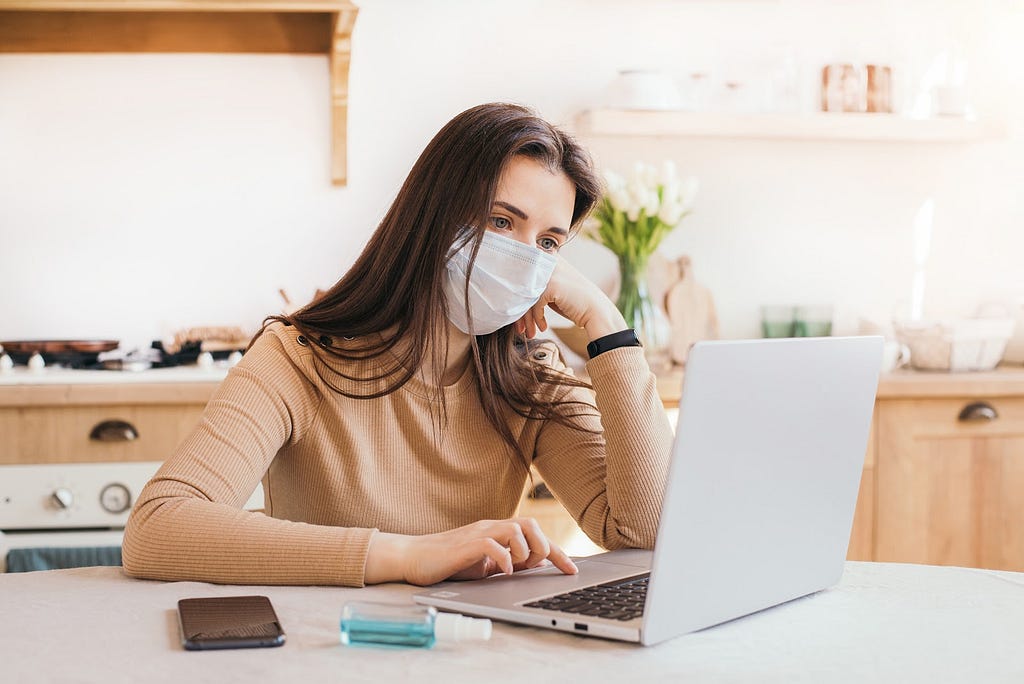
x=817 y=126
x=238 y=26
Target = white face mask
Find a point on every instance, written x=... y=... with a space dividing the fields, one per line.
x=508 y=278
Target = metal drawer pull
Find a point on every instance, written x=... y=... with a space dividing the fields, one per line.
x=978 y=412
x=114 y=431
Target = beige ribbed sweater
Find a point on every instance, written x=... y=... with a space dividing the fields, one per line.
x=336 y=469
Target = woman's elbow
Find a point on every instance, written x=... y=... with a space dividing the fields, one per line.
x=618 y=535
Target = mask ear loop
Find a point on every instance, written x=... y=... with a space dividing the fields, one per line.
x=466 y=235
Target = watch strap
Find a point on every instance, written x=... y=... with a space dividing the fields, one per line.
x=623 y=338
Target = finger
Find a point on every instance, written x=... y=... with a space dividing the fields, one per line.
x=523 y=566
x=489 y=548
x=537 y=540
x=531 y=326
x=536 y=313
x=562 y=560
x=484 y=567
x=477 y=570
x=516 y=542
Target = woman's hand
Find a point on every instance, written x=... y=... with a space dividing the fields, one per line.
x=570 y=294
x=473 y=551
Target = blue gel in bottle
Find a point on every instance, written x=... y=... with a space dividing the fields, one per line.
x=408 y=626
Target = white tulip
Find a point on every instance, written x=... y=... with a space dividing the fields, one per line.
x=619 y=198
x=671 y=213
x=671 y=191
x=633 y=211
x=614 y=181
x=651 y=203
x=637 y=191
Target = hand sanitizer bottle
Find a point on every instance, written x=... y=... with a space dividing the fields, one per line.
x=387 y=624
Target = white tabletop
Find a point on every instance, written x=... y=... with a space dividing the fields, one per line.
x=883 y=622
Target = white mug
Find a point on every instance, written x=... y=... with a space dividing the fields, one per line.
x=894 y=355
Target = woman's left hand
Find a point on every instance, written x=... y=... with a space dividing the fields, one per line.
x=570 y=294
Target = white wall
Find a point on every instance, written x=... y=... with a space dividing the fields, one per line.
x=141 y=193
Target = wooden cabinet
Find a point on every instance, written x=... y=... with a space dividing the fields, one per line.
x=97 y=423
x=950 y=485
x=862 y=536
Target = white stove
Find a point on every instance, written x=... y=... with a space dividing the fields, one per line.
x=72 y=505
x=81 y=504
x=68 y=505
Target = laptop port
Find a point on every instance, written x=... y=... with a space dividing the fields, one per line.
x=581 y=627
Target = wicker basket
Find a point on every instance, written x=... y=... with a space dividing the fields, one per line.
x=969 y=344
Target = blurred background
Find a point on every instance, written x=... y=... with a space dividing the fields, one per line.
x=141 y=193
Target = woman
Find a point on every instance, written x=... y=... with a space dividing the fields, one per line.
x=393 y=421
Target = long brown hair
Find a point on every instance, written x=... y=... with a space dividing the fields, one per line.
x=394 y=292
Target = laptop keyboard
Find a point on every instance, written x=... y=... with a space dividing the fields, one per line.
x=618 y=600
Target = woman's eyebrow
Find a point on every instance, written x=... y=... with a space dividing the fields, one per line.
x=513 y=209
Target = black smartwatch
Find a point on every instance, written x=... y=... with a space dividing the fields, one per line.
x=623 y=338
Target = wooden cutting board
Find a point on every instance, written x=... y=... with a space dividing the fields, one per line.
x=691 y=312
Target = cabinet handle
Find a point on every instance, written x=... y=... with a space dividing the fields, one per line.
x=978 y=412
x=114 y=431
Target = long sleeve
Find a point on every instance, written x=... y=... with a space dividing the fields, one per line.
x=613 y=481
x=188 y=523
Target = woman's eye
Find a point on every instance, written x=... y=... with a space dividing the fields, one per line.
x=500 y=222
x=548 y=244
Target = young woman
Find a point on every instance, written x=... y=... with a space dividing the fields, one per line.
x=393 y=422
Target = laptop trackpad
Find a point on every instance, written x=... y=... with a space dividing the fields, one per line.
x=508 y=590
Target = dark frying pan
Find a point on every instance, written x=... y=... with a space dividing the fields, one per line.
x=60 y=346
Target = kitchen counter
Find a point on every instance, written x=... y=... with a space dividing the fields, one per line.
x=1004 y=381
x=20 y=375
x=882 y=622
x=22 y=387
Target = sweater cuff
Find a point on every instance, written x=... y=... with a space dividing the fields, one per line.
x=350 y=562
x=620 y=362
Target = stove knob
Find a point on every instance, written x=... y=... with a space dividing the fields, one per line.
x=115 y=498
x=63 y=497
x=36 y=363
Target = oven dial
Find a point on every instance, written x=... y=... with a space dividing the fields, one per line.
x=115 y=498
x=63 y=497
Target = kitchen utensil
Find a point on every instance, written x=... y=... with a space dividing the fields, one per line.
x=894 y=355
x=59 y=346
x=968 y=344
x=812 y=321
x=879 y=90
x=643 y=89
x=842 y=89
x=691 y=312
x=777 y=321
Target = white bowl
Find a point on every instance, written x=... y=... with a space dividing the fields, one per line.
x=643 y=89
x=967 y=344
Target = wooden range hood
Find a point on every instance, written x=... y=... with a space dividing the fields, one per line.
x=321 y=27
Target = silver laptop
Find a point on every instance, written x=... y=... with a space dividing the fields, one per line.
x=758 y=509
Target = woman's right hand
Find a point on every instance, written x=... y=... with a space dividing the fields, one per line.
x=472 y=551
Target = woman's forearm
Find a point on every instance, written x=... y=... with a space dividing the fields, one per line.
x=385 y=558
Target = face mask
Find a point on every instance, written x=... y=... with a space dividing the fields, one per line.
x=508 y=278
